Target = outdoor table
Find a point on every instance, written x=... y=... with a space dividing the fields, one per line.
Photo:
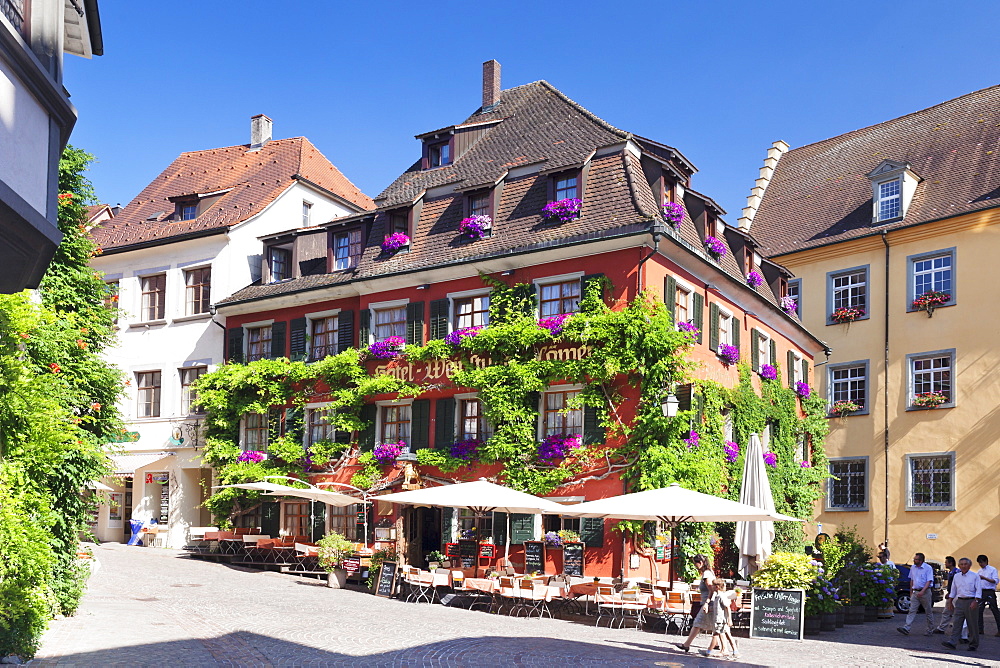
x=230 y=545
x=253 y=538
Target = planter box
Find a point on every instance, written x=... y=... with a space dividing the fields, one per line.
x=811 y=625
x=828 y=621
x=336 y=579
x=855 y=614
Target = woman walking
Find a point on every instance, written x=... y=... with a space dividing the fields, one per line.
x=704 y=620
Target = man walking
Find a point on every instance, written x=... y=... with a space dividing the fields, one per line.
x=949 y=605
x=989 y=577
x=921 y=593
x=966 y=590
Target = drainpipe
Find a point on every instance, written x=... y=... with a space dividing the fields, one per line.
x=657 y=231
x=885 y=392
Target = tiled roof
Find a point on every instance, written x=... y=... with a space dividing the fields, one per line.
x=539 y=126
x=250 y=180
x=820 y=193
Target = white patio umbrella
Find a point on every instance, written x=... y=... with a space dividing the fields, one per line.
x=754 y=538
x=672 y=505
x=257 y=486
x=481 y=497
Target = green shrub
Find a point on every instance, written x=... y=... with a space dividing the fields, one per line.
x=784 y=570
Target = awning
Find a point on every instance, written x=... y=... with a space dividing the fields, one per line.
x=99 y=486
x=127 y=464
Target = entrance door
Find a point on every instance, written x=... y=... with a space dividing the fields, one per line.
x=424 y=534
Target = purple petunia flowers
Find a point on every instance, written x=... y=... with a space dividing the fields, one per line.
x=563 y=210
x=673 y=213
x=715 y=246
x=771 y=459
x=802 y=389
x=387 y=348
x=755 y=279
x=455 y=338
x=393 y=242
x=768 y=372
x=729 y=354
x=553 y=323
x=732 y=451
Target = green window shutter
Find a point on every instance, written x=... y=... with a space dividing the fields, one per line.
x=683 y=394
x=774 y=352
x=420 y=424
x=713 y=327
x=698 y=405
x=439 y=318
x=270 y=518
x=364 y=328
x=592 y=531
x=533 y=402
x=415 y=323
x=278 y=339
x=649 y=533
x=318 y=521
x=737 y=326
x=805 y=370
x=500 y=529
x=593 y=430
x=345 y=330
x=444 y=422
x=447 y=516
x=670 y=297
x=791 y=369
x=522 y=528
x=754 y=350
x=698 y=314
x=366 y=437
x=586 y=280
x=293 y=424
x=235 y=338
x=297 y=339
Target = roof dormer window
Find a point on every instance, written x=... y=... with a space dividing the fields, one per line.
x=187 y=211
x=566 y=186
x=893 y=185
x=889 y=203
x=438 y=155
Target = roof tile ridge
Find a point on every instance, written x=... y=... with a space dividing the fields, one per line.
x=893 y=120
x=627 y=164
x=597 y=120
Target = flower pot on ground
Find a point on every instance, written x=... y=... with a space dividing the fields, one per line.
x=811 y=625
x=841 y=616
x=828 y=621
x=871 y=613
x=887 y=612
x=854 y=614
x=435 y=559
x=332 y=549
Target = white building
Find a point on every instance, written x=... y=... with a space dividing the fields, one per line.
x=36 y=119
x=189 y=239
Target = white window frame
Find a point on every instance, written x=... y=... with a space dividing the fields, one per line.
x=910 y=373
x=306 y=213
x=540 y=432
x=910 y=457
x=911 y=276
x=884 y=199
x=381 y=306
x=828 y=497
x=307 y=419
x=319 y=315
x=868 y=378
x=459 y=296
x=539 y=283
x=797 y=283
x=489 y=428
x=379 y=406
x=688 y=292
x=797 y=370
x=763 y=348
x=726 y=315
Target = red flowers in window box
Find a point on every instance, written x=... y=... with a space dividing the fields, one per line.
x=930 y=300
x=929 y=399
x=842 y=408
x=845 y=314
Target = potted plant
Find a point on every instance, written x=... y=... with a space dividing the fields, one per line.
x=846 y=314
x=333 y=547
x=387 y=348
x=562 y=210
x=930 y=300
x=755 y=279
x=728 y=354
x=716 y=247
x=673 y=213
x=475 y=227
x=821 y=601
x=386 y=453
x=844 y=407
x=890 y=575
x=553 y=539
x=768 y=372
x=393 y=243
x=929 y=399
x=434 y=559
x=786 y=570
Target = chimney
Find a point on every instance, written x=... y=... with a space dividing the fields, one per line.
x=260 y=130
x=491 y=84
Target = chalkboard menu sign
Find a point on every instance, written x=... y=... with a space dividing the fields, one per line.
x=451 y=549
x=534 y=556
x=468 y=553
x=573 y=559
x=386 y=583
x=487 y=550
x=777 y=613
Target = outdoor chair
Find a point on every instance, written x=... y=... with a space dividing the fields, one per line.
x=422 y=586
x=607 y=605
x=631 y=609
x=506 y=596
x=536 y=599
x=677 y=611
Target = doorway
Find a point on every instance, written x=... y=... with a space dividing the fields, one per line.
x=423 y=534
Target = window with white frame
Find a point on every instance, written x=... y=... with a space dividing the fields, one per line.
x=343 y=520
x=306 y=213
x=566 y=186
x=847 y=488
x=931 y=375
x=849 y=382
x=559 y=417
x=559 y=298
x=931 y=272
x=198 y=290
x=255 y=432
x=682 y=304
x=318 y=426
x=323 y=337
x=793 y=291
x=763 y=348
x=279 y=261
x=189 y=398
x=930 y=481
x=472 y=311
x=889 y=201
x=849 y=290
x=347 y=249
x=726 y=324
x=796 y=369
x=472 y=424
x=148 y=394
x=394 y=420
x=389 y=321
x=154 y=296
x=258 y=343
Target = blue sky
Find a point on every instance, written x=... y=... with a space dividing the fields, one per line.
x=717 y=80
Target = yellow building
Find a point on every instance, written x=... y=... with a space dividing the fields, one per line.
x=893 y=232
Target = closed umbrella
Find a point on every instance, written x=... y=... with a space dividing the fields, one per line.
x=672 y=505
x=754 y=538
x=481 y=497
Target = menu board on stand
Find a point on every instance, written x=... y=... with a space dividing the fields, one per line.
x=534 y=556
x=468 y=553
x=777 y=613
x=573 y=559
x=386 y=584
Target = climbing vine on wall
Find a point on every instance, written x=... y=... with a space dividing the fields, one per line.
x=634 y=354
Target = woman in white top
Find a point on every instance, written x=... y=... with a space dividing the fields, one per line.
x=704 y=620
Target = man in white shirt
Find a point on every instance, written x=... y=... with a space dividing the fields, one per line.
x=966 y=590
x=921 y=593
x=989 y=578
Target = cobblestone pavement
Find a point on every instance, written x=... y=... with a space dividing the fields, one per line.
x=150 y=607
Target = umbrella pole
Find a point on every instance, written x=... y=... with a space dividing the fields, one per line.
x=506 y=542
x=672 y=557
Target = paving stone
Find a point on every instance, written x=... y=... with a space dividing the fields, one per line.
x=153 y=607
